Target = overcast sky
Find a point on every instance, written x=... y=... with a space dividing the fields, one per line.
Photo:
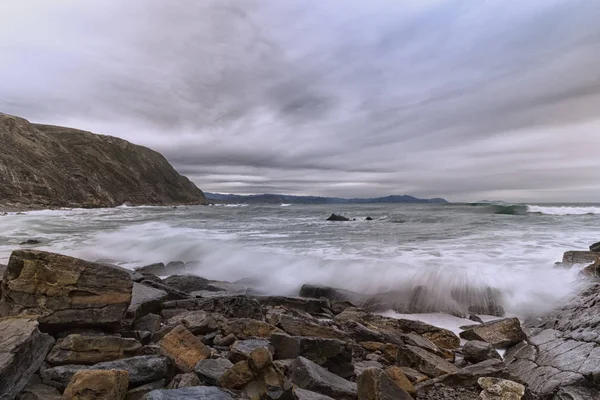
x=468 y=100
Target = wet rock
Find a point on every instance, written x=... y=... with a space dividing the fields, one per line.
x=375 y=384
x=310 y=376
x=154 y=269
x=315 y=307
x=595 y=247
x=236 y=377
x=335 y=217
x=500 y=389
x=245 y=328
x=141 y=369
x=65 y=292
x=149 y=323
x=184 y=380
x=332 y=354
x=580 y=257
x=187 y=283
x=499 y=333
x=39 y=391
x=306 y=327
x=302 y=394
x=145 y=300
x=183 y=348
x=241 y=349
x=84 y=349
x=368 y=219
x=475 y=351
x=172 y=294
x=97 y=385
x=197 y=392
x=475 y=318
x=30 y=241
x=210 y=370
x=22 y=350
x=232 y=307
x=140 y=392
x=424 y=361
x=330 y=293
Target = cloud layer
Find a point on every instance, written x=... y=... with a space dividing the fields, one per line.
x=462 y=99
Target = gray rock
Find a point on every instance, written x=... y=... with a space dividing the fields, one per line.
x=210 y=370
x=475 y=351
x=221 y=340
x=39 y=392
x=145 y=300
x=237 y=306
x=361 y=366
x=154 y=269
x=189 y=283
x=302 y=394
x=580 y=257
x=335 y=217
x=424 y=361
x=375 y=384
x=595 y=247
x=242 y=348
x=316 y=307
x=310 y=376
x=172 y=294
x=149 y=323
x=141 y=369
x=499 y=333
x=184 y=380
x=192 y=393
x=22 y=351
x=140 y=392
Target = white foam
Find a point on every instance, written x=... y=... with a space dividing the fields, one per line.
x=563 y=210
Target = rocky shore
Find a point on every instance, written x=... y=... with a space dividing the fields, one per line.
x=74 y=329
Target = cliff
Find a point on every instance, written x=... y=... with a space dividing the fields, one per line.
x=52 y=166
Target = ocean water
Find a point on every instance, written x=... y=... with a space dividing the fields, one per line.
x=511 y=249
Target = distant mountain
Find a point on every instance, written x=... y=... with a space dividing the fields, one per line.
x=287 y=199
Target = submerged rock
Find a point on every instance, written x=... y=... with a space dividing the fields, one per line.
x=335 y=217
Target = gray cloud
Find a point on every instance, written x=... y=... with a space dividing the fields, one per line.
x=463 y=99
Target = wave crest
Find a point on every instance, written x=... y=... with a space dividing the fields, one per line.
x=564 y=210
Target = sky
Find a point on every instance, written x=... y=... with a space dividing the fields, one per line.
x=461 y=99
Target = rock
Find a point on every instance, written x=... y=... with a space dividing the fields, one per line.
x=424 y=361
x=440 y=391
x=361 y=366
x=242 y=348
x=580 y=257
x=84 y=349
x=64 y=291
x=139 y=393
x=141 y=369
x=302 y=394
x=184 y=380
x=475 y=318
x=413 y=375
x=245 y=328
x=232 y=307
x=97 y=384
x=368 y=219
x=22 y=351
x=210 y=371
x=499 y=333
x=500 y=389
x=30 y=241
x=39 y=391
x=398 y=376
x=375 y=384
x=189 y=283
x=145 y=300
x=330 y=293
x=236 y=377
x=335 y=217
x=308 y=375
x=149 y=323
x=221 y=340
x=199 y=322
x=595 y=247
x=305 y=327
x=157 y=269
x=183 y=348
x=475 y=351
x=196 y=392
x=332 y=354
x=315 y=307
x=172 y=294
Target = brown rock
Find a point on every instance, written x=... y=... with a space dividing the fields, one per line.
x=242 y=349
x=97 y=384
x=398 y=376
x=498 y=333
x=237 y=376
x=373 y=346
x=260 y=358
x=413 y=375
x=64 y=291
x=580 y=257
x=375 y=384
x=245 y=328
x=183 y=348
x=424 y=361
x=87 y=349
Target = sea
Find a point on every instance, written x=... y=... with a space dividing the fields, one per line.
x=509 y=248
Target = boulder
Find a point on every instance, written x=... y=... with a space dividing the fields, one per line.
x=241 y=349
x=302 y=394
x=580 y=257
x=245 y=328
x=500 y=389
x=149 y=323
x=310 y=376
x=335 y=217
x=398 y=376
x=140 y=392
x=172 y=294
x=361 y=366
x=368 y=219
x=184 y=380
x=145 y=300
x=97 y=385
x=157 y=269
x=413 y=375
x=190 y=283
x=87 y=349
x=329 y=293
x=64 y=291
x=236 y=377
x=199 y=322
x=595 y=247
x=225 y=341
x=332 y=354
x=424 y=361
x=22 y=351
x=236 y=306
x=39 y=391
x=375 y=384
x=499 y=333
x=196 y=392
x=210 y=370
x=141 y=369
x=183 y=348
x=30 y=241
x=475 y=351
x=306 y=327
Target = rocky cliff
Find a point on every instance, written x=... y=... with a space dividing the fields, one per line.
x=52 y=166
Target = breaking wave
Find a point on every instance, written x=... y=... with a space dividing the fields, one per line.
x=564 y=210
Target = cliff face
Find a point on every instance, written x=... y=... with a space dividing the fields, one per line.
x=42 y=165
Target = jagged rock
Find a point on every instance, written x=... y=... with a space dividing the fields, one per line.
x=580 y=257
x=418 y=341
x=398 y=376
x=308 y=375
x=424 y=361
x=413 y=375
x=500 y=389
x=475 y=351
x=305 y=327
x=149 y=323
x=183 y=348
x=333 y=354
x=236 y=377
x=440 y=391
x=22 y=350
x=141 y=369
x=197 y=392
x=315 y=307
x=39 y=391
x=64 y=291
x=145 y=300
x=375 y=384
x=97 y=384
x=241 y=349
x=335 y=217
x=595 y=247
x=245 y=328
x=84 y=349
x=210 y=371
x=499 y=333
x=139 y=393
x=302 y=394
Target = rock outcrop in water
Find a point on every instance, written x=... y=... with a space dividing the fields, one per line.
x=52 y=166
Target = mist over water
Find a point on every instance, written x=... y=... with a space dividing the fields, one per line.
x=445 y=249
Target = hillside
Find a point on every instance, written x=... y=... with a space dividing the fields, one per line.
x=288 y=199
x=52 y=166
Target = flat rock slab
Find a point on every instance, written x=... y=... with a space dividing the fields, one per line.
x=91 y=349
x=64 y=291
x=310 y=376
x=499 y=333
x=22 y=351
x=424 y=361
x=192 y=393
